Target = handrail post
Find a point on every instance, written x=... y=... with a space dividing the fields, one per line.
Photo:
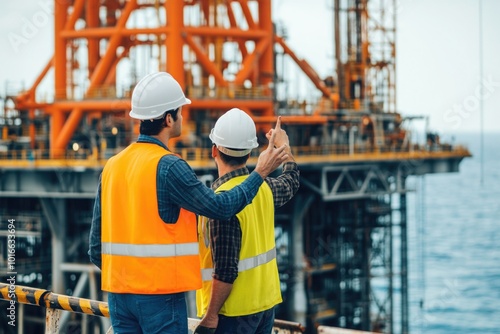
x=20 y=328
x=52 y=317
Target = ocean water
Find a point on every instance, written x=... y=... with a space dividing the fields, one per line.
x=454 y=240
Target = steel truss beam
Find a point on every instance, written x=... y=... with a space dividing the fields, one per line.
x=353 y=182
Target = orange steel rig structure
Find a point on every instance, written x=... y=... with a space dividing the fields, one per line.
x=342 y=241
x=189 y=39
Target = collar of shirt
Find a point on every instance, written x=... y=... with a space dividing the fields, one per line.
x=152 y=140
x=226 y=177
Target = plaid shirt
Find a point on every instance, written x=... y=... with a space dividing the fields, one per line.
x=225 y=235
x=178 y=187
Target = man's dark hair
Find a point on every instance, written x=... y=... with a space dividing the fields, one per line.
x=233 y=161
x=154 y=126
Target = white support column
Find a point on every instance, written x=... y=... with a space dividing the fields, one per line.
x=52 y=321
x=298 y=292
x=55 y=212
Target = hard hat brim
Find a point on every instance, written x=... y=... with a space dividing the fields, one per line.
x=158 y=113
x=234 y=153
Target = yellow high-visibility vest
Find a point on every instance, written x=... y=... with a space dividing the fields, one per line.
x=257 y=287
x=140 y=252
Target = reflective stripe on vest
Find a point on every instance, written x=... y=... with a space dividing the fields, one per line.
x=245 y=264
x=150 y=250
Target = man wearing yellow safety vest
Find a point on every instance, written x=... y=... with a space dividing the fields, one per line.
x=241 y=285
x=143 y=233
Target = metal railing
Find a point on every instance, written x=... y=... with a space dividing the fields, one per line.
x=56 y=303
x=230 y=92
x=202 y=156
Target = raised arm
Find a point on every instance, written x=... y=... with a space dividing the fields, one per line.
x=185 y=190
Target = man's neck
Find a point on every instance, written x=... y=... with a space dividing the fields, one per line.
x=225 y=169
x=163 y=136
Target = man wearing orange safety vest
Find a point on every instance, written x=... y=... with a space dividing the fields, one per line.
x=241 y=285
x=143 y=233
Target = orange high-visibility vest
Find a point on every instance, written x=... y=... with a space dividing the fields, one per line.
x=140 y=252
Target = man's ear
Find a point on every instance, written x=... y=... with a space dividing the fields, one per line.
x=214 y=151
x=168 y=120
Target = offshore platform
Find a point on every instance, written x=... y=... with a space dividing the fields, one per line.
x=342 y=241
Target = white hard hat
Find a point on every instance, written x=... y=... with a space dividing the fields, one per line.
x=234 y=130
x=155 y=94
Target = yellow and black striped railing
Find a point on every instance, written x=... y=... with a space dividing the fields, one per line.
x=55 y=303
x=48 y=299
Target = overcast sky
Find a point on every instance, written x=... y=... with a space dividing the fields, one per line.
x=437 y=53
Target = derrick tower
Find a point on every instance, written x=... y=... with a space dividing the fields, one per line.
x=342 y=244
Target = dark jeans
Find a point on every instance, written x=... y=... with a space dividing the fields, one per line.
x=148 y=314
x=258 y=323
